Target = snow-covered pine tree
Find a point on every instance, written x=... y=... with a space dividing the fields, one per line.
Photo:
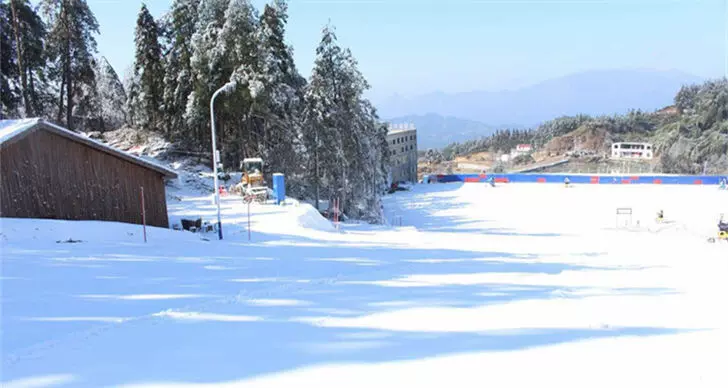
x=112 y=97
x=321 y=134
x=343 y=137
x=178 y=77
x=146 y=102
x=87 y=104
x=240 y=127
x=23 y=60
x=206 y=69
x=279 y=102
x=10 y=91
x=70 y=46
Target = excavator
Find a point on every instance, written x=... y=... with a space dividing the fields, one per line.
x=252 y=184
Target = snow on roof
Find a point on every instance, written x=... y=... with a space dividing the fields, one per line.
x=400 y=128
x=10 y=129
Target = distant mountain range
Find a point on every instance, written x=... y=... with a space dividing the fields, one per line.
x=443 y=116
x=436 y=131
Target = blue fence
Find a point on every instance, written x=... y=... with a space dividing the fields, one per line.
x=582 y=179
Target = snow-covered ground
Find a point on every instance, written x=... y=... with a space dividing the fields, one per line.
x=513 y=286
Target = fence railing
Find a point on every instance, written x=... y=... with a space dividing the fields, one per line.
x=582 y=178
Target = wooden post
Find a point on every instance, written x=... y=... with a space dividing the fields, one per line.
x=144 y=214
x=336 y=212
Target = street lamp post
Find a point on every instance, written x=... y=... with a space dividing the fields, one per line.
x=225 y=88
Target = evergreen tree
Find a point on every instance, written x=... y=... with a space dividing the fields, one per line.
x=146 y=101
x=71 y=46
x=206 y=69
x=279 y=102
x=342 y=134
x=240 y=123
x=112 y=97
x=10 y=93
x=178 y=76
x=24 y=85
x=87 y=106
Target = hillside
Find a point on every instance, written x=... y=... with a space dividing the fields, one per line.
x=594 y=92
x=690 y=137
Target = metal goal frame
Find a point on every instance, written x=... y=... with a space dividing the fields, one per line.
x=623 y=214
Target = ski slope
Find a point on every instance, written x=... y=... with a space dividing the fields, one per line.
x=513 y=286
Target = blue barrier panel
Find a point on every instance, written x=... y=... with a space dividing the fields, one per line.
x=279 y=188
x=585 y=179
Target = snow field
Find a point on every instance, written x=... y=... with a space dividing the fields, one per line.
x=513 y=286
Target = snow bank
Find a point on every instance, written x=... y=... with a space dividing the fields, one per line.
x=307 y=217
x=22 y=230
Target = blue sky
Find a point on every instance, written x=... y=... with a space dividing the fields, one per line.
x=418 y=46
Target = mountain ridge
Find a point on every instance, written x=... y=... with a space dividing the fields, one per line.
x=437 y=131
x=594 y=92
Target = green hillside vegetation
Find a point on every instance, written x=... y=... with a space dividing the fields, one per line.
x=689 y=137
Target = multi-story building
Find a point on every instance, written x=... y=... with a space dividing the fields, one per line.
x=632 y=151
x=402 y=140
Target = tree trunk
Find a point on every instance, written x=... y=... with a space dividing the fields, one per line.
x=316 y=169
x=23 y=76
x=67 y=68
x=31 y=90
x=342 y=205
x=60 y=99
x=69 y=88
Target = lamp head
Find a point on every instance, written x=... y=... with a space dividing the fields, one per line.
x=229 y=87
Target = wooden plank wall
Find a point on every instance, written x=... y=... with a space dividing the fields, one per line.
x=48 y=176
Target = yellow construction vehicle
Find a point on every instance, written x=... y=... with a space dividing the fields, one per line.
x=252 y=184
x=253 y=172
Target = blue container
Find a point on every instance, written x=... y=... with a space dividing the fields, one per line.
x=279 y=188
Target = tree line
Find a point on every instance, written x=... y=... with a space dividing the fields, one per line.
x=321 y=132
x=692 y=139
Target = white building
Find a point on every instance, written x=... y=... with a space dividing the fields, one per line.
x=521 y=149
x=402 y=140
x=632 y=151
